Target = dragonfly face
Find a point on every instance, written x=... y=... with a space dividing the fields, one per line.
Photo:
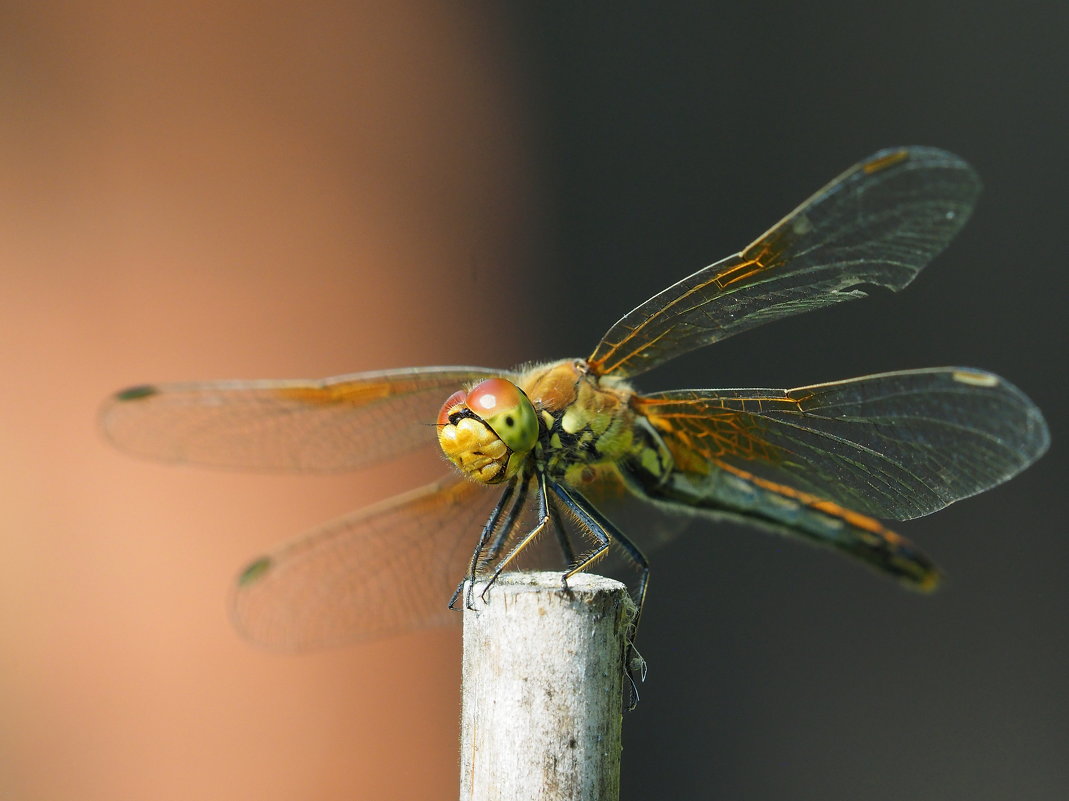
x=488 y=431
x=823 y=463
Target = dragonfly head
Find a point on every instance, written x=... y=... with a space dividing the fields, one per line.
x=488 y=430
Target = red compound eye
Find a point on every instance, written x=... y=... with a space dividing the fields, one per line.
x=492 y=396
x=457 y=399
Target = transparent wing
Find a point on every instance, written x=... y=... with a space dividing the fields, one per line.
x=383 y=570
x=877 y=224
x=894 y=445
x=338 y=423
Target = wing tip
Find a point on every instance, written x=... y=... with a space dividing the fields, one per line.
x=137 y=392
x=976 y=378
x=928 y=158
x=885 y=158
x=1036 y=433
x=255 y=571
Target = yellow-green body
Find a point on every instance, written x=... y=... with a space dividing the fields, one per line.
x=589 y=426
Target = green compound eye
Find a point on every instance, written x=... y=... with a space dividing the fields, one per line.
x=508 y=411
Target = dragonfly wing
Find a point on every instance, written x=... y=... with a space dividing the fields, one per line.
x=339 y=423
x=383 y=570
x=895 y=445
x=877 y=224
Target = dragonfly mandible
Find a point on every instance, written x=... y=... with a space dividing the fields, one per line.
x=537 y=448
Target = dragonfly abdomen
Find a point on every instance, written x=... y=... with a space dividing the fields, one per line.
x=727 y=492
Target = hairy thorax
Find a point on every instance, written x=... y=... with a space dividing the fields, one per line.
x=588 y=426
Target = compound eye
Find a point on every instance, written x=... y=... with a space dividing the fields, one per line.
x=492 y=396
x=507 y=410
x=456 y=402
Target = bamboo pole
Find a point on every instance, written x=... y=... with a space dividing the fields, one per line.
x=544 y=689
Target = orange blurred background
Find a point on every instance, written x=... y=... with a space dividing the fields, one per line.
x=209 y=190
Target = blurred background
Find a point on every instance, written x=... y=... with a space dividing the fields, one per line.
x=238 y=190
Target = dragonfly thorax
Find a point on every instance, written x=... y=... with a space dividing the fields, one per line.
x=588 y=423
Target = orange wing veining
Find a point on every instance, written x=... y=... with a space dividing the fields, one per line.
x=877 y=224
x=339 y=423
x=699 y=434
x=892 y=445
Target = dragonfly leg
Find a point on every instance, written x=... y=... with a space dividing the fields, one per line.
x=492 y=524
x=597 y=529
x=601 y=529
x=565 y=543
x=505 y=530
x=529 y=537
x=604 y=532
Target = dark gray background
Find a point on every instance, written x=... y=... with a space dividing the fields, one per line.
x=674 y=135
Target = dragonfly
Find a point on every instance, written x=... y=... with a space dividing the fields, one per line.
x=557 y=447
